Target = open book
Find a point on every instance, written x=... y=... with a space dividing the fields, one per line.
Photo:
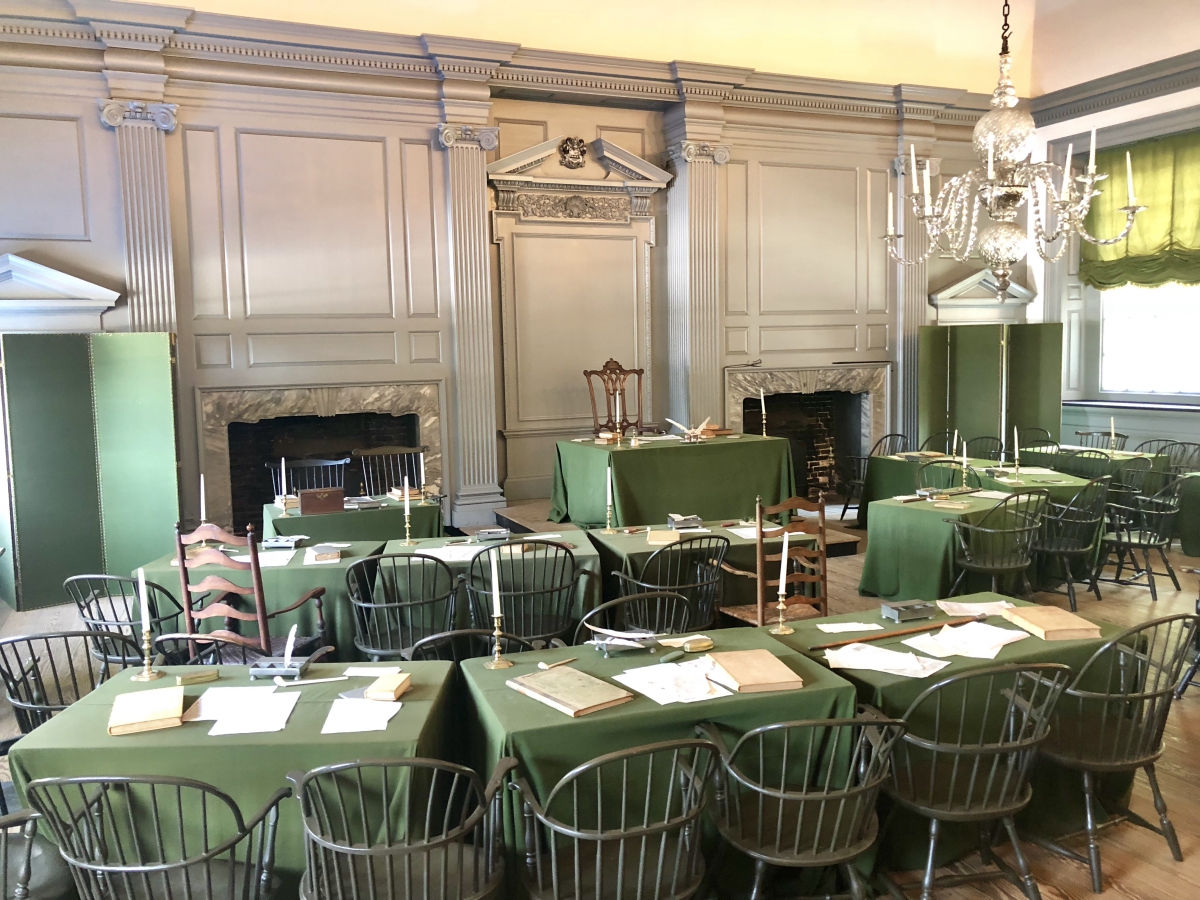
x=570 y=691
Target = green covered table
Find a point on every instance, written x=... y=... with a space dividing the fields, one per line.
x=1057 y=807
x=716 y=479
x=284 y=585
x=457 y=553
x=249 y=767
x=380 y=524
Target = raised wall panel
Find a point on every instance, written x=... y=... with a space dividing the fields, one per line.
x=42 y=179
x=203 y=175
x=631 y=139
x=517 y=135
x=877 y=337
x=425 y=346
x=806 y=338
x=420 y=246
x=213 y=351
x=809 y=239
x=575 y=305
x=314 y=226
x=351 y=348
x=737 y=340
x=736 y=288
x=876 y=249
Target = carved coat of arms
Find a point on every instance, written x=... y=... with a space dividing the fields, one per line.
x=571 y=152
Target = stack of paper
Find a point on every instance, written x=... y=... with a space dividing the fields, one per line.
x=243 y=710
x=664 y=683
x=453 y=552
x=877 y=659
x=839 y=627
x=994 y=608
x=976 y=640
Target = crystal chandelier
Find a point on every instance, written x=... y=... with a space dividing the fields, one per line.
x=1004 y=140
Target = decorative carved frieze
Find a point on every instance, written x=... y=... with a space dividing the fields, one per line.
x=465 y=135
x=114 y=113
x=696 y=151
x=574 y=206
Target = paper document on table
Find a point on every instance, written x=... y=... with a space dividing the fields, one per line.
x=215 y=702
x=370 y=671
x=664 y=683
x=839 y=627
x=269 y=713
x=993 y=495
x=268 y=558
x=976 y=640
x=540 y=537
x=1036 y=470
x=453 y=552
x=878 y=659
x=693 y=530
x=954 y=608
x=661 y=437
x=350 y=716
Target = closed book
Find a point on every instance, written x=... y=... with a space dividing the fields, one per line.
x=326 y=553
x=752 y=672
x=1051 y=623
x=570 y=691
x=388 y=687
x=414 y=494
x=291 y=501
x=139 y=711
x=661 y=536
x=715 y=431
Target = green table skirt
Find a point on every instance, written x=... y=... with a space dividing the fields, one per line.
x=717 y=479
x=383 y=524
x=249 y=767
x=283 y=586
x=1057 y=807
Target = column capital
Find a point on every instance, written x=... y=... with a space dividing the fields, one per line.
x=453 y=134
x=699 y=151
x=115 y=113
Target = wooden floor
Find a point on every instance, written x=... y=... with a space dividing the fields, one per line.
x=1137 y=864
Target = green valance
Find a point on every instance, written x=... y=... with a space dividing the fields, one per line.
x=1164 y=244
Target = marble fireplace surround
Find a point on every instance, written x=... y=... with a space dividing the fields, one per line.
x=869 y=379
x=217 y=408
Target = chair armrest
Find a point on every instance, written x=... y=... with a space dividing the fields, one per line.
x=315 y=594
x=726 y=567
x=710 y=731
x=503 y=767
x=520 y=785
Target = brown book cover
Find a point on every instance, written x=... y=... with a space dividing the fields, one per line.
x=1051 y=623
x=753 y=671
x=661 y=536
x=570 y=691
x=139 y=711
x=322 y=500
x=388 y=687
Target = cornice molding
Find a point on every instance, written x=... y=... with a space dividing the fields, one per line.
x=1157 y=79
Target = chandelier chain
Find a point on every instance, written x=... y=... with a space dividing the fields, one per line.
x=1005 y=30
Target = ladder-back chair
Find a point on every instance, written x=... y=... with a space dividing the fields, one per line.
x=807 y=563
x=227 y=593
x=384 y=468
x=613 y=378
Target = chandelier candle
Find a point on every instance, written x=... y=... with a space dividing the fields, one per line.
x=1092 y=155
x=1066 y=182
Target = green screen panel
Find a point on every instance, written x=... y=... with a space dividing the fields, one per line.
x=1035 y=377
x=134 y=400
x=933 y=381
x=56 y=506
x=975 y=394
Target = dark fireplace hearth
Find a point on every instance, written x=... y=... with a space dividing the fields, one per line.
x=253 y=444
x=823 y=428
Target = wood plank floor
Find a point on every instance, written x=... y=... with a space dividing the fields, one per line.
x=1137 y=864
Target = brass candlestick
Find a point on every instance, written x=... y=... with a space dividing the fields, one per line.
x=408 y=541
x=608 y=526
x=148 y=672
x=497 y=661
x=764 y=417
x=782 y=627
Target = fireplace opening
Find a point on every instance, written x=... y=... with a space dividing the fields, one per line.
x=823 y=428
x=253 y=444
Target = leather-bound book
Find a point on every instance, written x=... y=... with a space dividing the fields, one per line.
x=139 y=711
x=752 y=672
x=570 y=691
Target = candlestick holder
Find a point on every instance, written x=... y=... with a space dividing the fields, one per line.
x=608 y=525
x=782 y=627
x=764 y=418
x=408 y=541
x=497 y=661
x=148 y=672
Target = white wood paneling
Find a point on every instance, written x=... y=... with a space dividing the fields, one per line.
x=42 y=178
x=425 y=346
x=736 y=283
x=355 y=348
x=214 y=351
x=205 y=237
x=420 y=245
x=875 y=226
x=807 y=338
x=315 y=232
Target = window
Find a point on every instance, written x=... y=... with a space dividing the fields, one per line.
x=1148 y=339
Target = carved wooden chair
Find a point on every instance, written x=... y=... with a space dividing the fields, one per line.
x=612 y=377
x=384 y=468
x=225 y=602
x=806 y=564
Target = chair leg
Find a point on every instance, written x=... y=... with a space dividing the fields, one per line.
x=1187 y=677
x=1150 y=574
x=985 y=843
x=1089 y=798
x=760 y=877
x=1028 y=882
x=995 y=585
x=935 y=828
x=1170 y=571
x=857 y=889
x=962 y=573
x=1066 y=567
x=1160 y=805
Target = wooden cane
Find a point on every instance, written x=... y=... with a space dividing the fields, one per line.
x=903 y=631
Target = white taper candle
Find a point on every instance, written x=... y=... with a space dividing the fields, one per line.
x=783 y=567
x=406 y=511
x=608 y=486
x=283 y=475
x=954 y=446
x=203 y=511
x=144 y=596
x=891 y=213
x=495 y=554
x=1092 y=155
x=1066 y=173
x=1129 y=177
x=1016 y=446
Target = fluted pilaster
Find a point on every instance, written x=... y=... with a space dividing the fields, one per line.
x=694 y=291
x=478 y=490
x=149 y=264
x=914 y=299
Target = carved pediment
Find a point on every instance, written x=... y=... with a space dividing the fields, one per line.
x=544 y=182
x=979 y=289
x=37 y=298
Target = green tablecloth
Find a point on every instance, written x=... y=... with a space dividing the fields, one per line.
x=283 y=586
x=1057 y=807
x=458 y=555
x=716 y=479
x=381 y=524
x=1187 y=522
x=249 y=767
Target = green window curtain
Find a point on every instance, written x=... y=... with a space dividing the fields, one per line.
x=1164 y=244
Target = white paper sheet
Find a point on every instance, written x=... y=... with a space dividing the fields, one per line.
x=993 y=495
x=214 y=702
x=662 y=437
x=540 y=537
x=954 y=608
x=904 y=498
x=453 y=552
x=268 y=558
x=1036 y=470
x=370 y=671
x=351 y=716
x=750 y=532
x=839 y=627
x=878 y=659
x=270 y=713
x=664 y=683
x=975 y=640
x=694 y=530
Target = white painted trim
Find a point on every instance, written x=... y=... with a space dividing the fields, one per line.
x=36 y=298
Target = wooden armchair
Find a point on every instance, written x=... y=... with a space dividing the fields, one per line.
x=808 y=564
x=224 y=602
x=612 y=377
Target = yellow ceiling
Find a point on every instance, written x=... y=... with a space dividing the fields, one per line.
x=948 y=43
